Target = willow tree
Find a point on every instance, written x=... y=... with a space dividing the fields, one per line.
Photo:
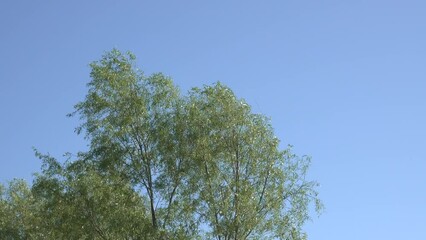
x=246 y=187
x=74 y=200
x=203 y=165
x=135 y=124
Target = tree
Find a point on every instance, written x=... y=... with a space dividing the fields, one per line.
x=17 y=211
x=75 y=201
x=134 y=124
x=247 y=187
x=163 y=165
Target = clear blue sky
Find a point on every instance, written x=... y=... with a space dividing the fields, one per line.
x=343 y=81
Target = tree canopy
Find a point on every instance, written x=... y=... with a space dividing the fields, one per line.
x=163 y=165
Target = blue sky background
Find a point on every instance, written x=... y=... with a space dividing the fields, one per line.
x=343 y=81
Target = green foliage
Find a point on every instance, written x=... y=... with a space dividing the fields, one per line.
x=79 y=202
x=163 y=166
x=17 y=217
x=246 y=187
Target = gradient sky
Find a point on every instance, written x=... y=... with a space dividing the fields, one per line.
x=343 y=81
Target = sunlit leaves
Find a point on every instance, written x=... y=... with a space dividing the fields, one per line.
x=247 y=186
